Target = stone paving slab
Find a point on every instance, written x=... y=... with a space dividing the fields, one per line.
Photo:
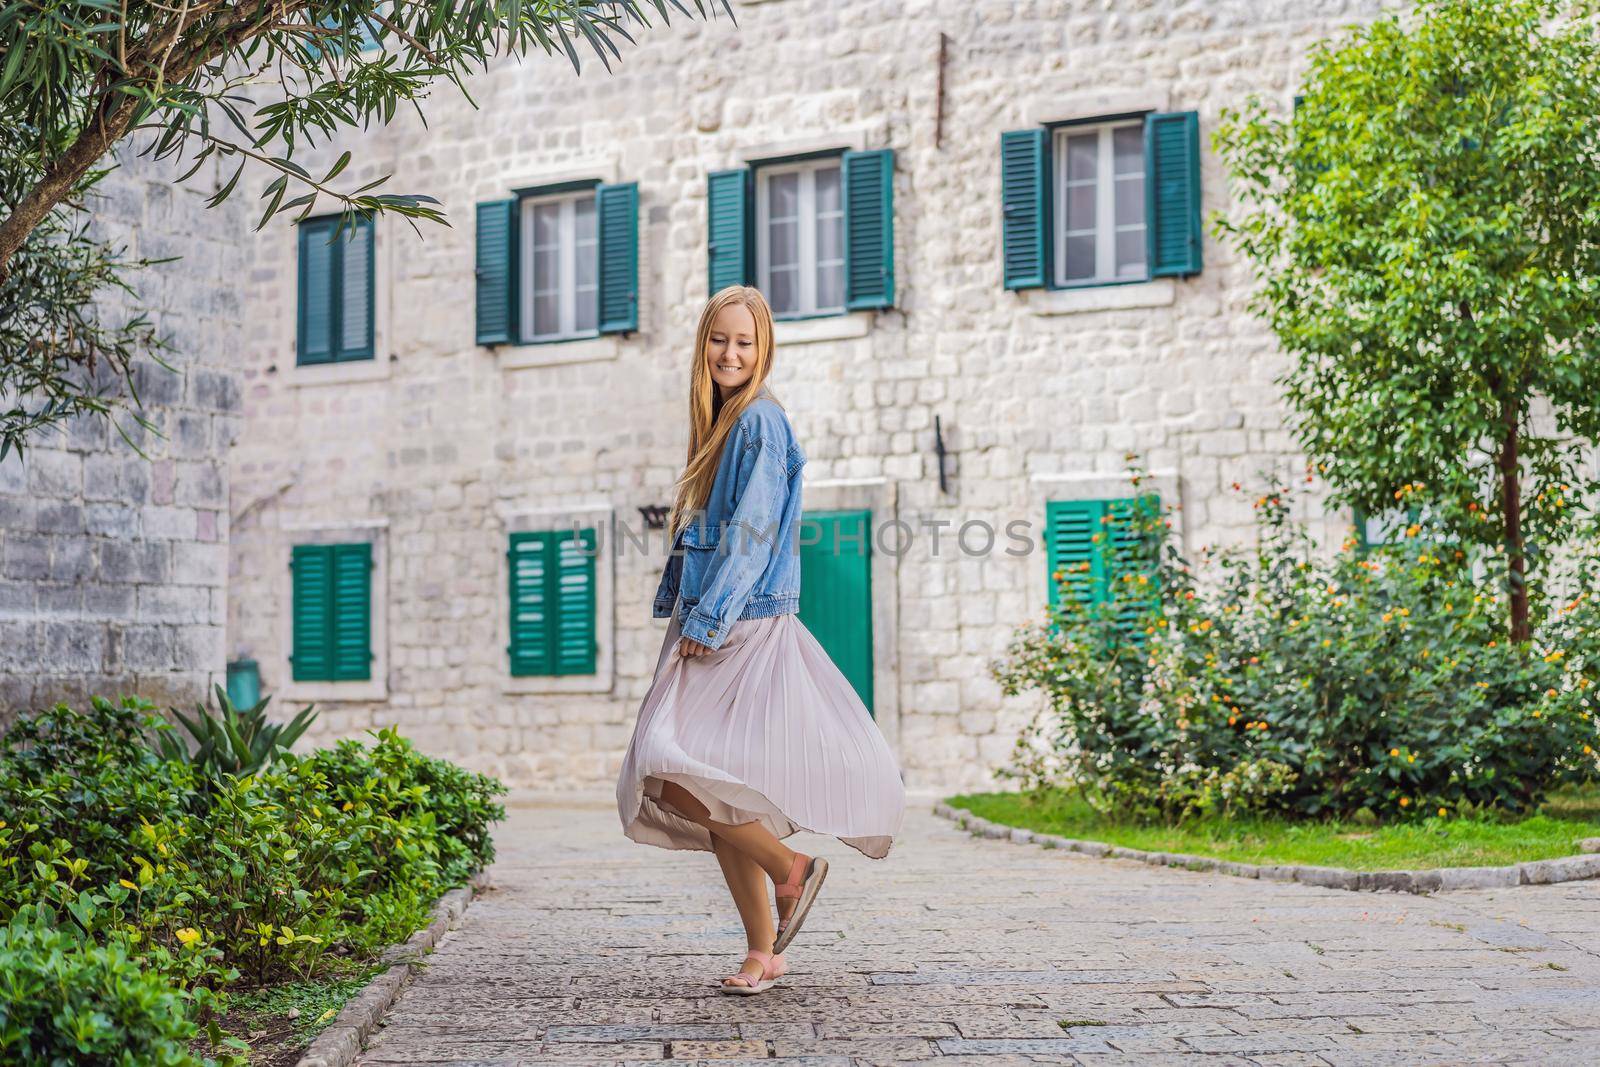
x=957 y=950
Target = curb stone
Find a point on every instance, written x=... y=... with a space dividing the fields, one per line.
x=1533 y=872
x=342 y=1041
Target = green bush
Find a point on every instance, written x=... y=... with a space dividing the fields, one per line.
x=65 y=1002
x=204 y=880
x=1282 y=679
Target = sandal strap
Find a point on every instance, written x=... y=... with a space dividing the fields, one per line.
x=761 y=956
x=797 y=870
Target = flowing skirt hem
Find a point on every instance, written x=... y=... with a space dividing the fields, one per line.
x=728 y=801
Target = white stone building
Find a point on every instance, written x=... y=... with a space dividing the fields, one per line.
x=373 y=418
x=114 y=565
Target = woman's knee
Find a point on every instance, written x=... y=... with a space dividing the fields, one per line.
x=685 y=802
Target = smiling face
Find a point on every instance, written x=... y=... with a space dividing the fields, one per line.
x=731 y=348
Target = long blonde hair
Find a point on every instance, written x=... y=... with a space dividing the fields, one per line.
x=710 y=418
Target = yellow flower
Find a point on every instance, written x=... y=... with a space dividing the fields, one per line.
x=1411 y=757
x=1442 y=813
x=1394 y=752
x=188 y=935
x=1388 y=617
x=1405 y=802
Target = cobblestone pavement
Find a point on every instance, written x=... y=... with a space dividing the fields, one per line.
x=959 y=950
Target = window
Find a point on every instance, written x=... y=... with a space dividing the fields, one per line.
x=332 y=612
x=800 y=237
x=552 y=602
x=814 y=234
x=334 y=317
x=1091 y=544
x=1100 y=201
x=560 y=251
x=557 y=263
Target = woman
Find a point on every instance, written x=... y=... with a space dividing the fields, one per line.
x=749 y=732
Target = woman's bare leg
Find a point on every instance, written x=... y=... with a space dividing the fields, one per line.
x=742 y=871
x=748 y=884
x=751 y=838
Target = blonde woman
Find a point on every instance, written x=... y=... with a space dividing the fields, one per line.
x=749 y=731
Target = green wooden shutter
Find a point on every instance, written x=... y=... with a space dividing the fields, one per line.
x=1096 y=533
x=728 y=217
x=1128 y=552
x=497 y=272
x=1070 y=526
x=553 y=602
x=314 y=325
x=351 y=650
x=573 y=596
x=353 y=254
x=312 y=570
x=869 y=229
x=531 y=624
x=1172 y=192
x=1025 y=207
x=617 y=212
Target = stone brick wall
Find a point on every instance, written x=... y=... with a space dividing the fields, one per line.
x=113 y=565
x=438 y=445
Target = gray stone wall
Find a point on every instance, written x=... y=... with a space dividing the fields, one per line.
x=113 y=565
x=440 y=446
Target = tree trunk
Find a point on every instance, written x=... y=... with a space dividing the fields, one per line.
x=116 y=110
x=1511 y=497
x=61 y=179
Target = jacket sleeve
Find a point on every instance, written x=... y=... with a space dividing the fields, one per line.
x=745 y=546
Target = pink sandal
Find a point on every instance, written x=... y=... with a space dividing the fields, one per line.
x=805 y=878
x=773 y=967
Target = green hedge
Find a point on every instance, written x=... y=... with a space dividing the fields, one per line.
x=117 y=862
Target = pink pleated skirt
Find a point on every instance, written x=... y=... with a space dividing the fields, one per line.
x=765 y=728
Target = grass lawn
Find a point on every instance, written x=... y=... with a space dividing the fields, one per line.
x=1433 y=842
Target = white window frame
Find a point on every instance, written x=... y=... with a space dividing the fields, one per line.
x=567 y=255
x=807 y=235
x=1106 y=228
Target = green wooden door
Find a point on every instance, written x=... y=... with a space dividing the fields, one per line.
x=836 y=591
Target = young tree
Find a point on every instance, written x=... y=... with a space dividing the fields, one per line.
x=1425 y=231
x=79 y=76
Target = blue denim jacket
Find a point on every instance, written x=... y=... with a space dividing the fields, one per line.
x=739 y=557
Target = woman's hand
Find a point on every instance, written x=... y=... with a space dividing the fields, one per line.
x=688 y=646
